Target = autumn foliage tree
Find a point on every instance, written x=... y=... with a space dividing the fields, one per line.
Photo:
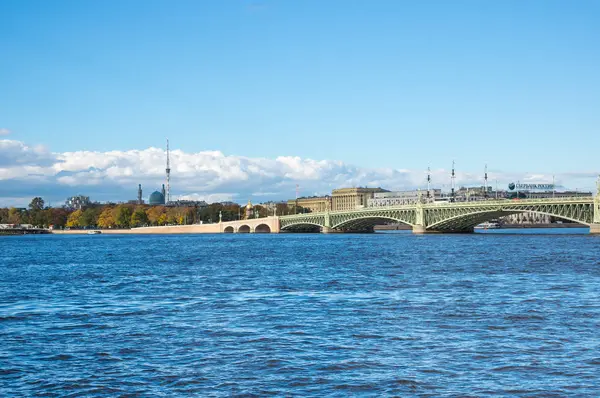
x=73 y=219
x=106 y=219
x=122 y=215
x=156 y=215
x=57 y=217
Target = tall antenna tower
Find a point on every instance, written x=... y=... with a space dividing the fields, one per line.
x=168 y=170
x=453 y=178
x=428 y=181
x=485 y=184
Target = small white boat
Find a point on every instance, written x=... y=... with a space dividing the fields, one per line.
x=94 y=232
x=487 y=225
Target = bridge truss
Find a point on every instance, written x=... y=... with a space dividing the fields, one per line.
x=447 y=217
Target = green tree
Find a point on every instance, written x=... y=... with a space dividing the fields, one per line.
x=35 y=214
x=139 y=218
x=57 y=217
x=230 y=212
x=4 y=216
x=37 y=218
x=89 y=217
x=262 y=211
x=37 y=203
x=123 y=216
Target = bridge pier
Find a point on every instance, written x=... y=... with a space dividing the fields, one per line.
x=595 y=229
x=419 y=229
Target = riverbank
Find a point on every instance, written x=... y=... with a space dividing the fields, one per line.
x=86 y=231
x=9 y=232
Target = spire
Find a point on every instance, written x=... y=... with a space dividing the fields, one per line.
x=485 y=184
x=453 y=177
x=140 y=201
x=428 y=181
x=168 y=170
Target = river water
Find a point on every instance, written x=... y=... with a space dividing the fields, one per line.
x=300 y=315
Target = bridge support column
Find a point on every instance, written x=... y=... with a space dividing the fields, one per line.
x=327 y=227
x=595 y=226
x=419 y=229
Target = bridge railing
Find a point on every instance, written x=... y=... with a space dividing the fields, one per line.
x=573 y=199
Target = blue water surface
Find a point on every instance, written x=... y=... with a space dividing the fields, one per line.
x=300 y=315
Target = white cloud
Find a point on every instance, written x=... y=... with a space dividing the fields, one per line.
x=210 y=198
x=4 y=131
x=27 y=171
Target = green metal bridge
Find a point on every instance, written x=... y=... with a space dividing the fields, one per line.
x=446 y=217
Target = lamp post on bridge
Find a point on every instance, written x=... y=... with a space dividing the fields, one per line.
x=496 y=189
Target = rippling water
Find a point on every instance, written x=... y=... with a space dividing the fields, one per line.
x=300 y=315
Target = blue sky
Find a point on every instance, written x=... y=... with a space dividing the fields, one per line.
x=373 y=84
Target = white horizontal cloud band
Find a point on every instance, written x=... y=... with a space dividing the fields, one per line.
x=33 y=171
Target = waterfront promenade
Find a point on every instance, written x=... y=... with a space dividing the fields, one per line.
x=255 y=225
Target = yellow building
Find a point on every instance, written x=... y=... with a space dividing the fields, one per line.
x=315 y=204
x=352 y=198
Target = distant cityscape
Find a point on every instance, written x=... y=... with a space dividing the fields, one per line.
x=360 y=197
x=80 y=211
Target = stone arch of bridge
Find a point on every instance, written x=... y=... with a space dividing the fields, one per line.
x=244 y=229
x=470 y=220
x=365 y=222
x=228 y=230
x=262 y=229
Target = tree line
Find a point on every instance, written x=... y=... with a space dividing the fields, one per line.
x=131 y=215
